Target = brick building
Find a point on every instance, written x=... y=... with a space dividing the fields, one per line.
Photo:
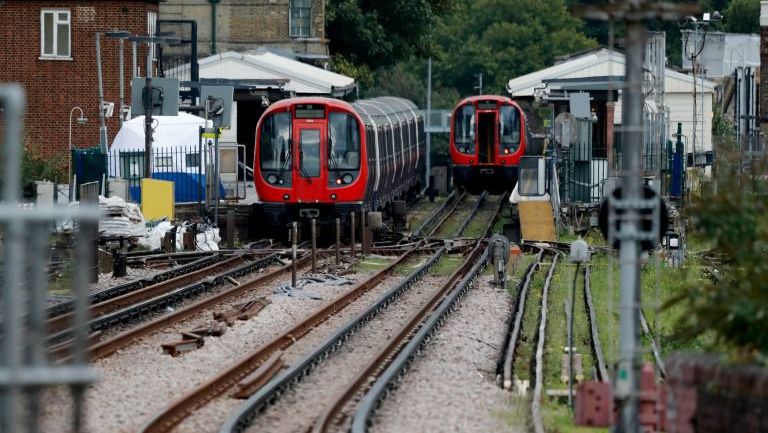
x=291 y=25
x=48 y=46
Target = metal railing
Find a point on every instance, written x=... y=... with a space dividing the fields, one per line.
x=25 y=369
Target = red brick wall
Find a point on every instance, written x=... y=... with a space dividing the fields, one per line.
x=53 y=87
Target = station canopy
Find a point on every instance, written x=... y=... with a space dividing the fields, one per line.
x=265 y=66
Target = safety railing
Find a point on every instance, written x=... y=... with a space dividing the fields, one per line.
x=25 y=369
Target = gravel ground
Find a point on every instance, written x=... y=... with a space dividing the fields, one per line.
x=451 y=387
x=139 y=380
x=296 y=409
x=211 y=417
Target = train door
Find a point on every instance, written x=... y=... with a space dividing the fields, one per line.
x=486 y=137
x=310 y=173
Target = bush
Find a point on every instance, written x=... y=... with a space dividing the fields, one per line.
x=34 y=168
x=731 y=215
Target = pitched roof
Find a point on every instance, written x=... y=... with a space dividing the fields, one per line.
x=599 y=62
x=303 y=79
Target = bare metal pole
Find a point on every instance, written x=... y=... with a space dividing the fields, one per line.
x=134 y=60
x=338 y=240
x=148 y=117
x=352 y=233
x=294 y=240
x=628 y=375
x=102 y=122
x=121 y=41
x=427 y=123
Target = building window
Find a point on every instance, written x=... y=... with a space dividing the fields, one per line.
x=55 y=34
x=300 y=18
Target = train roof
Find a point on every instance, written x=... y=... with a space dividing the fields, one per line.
x=497 y=98
x=386 y=110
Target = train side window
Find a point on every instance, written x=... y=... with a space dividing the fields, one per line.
x=343 y=142
x=509 y=128
x=464 y=129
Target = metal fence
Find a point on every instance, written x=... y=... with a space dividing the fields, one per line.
x=187 y=167
x=26 y=369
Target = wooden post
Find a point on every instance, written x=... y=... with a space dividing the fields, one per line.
x=231 y=228
x=338 y=241
x=294 y=235
x=352 y=241
x=314 y=246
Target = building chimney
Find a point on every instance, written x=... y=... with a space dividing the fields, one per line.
x=763 y=101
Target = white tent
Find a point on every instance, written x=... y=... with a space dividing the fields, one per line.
x=173 y=135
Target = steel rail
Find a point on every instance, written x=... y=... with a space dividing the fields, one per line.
x=597 y=349
x=162 y=300
x=181 y=408
x=381 y=367
x=446 y=215
x=113 y=292
x=110 y=346
x=59 y=322
x=241 y=418
x=472 y=214
x=538 y=423
x=654 y=348
x=506 y=364
x=434 y=214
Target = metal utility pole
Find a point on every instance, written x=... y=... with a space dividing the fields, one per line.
x=148 y=117
x=629 y=208
x=627 y=377
x=479 y=86
x=121 y=36
x=102 y=122
x=148 y=105
x=427 y=122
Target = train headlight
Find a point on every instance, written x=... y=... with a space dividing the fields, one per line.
x=280 y=181
x=333 y=196
x=506 y=150
x=347 y=178
x=463 y=149
x=272 y=179
x=338 y=181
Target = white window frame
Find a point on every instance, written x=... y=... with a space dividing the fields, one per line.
x=56 y=23
x=290 y=21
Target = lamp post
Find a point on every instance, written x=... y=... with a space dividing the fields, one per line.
x=121 y=37
x=80 y=121
x=148 y=95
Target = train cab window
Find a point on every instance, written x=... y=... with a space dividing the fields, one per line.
x=275 y=149
x=343 y=142
x=464 y=129
x=509 y=129
x=310 y=152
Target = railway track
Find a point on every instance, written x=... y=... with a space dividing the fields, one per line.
x=138 y=304
x=339 y=410
x=101 y=349
x=228 y=378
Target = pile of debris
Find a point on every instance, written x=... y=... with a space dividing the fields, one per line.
x=121 y=219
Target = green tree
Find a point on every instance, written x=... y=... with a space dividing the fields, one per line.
x=380 y=33
x=743 y=16
x=503 y=40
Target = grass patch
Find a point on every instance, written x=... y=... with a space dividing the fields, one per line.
x=557 y=417
x=446 y=265
x=517 y=413
x=371 y=264
x=530 y=325
x=422 y=210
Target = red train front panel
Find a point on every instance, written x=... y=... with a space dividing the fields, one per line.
x=310 y=159
x=487 y=139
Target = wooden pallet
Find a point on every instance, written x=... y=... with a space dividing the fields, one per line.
x=537 y=221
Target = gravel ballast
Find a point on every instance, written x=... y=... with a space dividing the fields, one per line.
x=298 y=408
x=137 y=382
x=451 y=386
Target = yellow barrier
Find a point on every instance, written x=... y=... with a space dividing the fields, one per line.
x=157 y=199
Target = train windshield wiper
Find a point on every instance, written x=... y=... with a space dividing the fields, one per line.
x=302 y=170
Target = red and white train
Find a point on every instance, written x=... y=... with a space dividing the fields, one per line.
x=325 y=158
x=488 y=137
